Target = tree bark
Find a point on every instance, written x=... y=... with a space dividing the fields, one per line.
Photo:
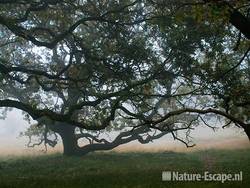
x=69 y=140
x=247 y=131
x=241 y=22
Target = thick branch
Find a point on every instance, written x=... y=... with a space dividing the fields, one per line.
x=48 y=114
x=200 y=111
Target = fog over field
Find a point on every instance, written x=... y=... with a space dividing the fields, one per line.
x=204 y=138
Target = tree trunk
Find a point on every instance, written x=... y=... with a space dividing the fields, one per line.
x=69 y=141
x=70 y=146
x=247 y=131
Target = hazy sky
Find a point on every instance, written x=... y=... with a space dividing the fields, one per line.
x=10 y=142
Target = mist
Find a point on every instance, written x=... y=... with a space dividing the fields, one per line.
x=203 y=137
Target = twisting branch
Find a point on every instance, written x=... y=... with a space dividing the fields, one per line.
x=181 y=140
x=200 y=111
x=235 y=66
x=205 y=123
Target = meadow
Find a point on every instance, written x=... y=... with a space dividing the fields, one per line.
x=122 y=170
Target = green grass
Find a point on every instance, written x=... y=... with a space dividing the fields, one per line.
x=121 y=170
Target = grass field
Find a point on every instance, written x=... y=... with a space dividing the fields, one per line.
x=121 y=170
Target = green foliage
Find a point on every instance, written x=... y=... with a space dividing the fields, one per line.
x=88 y=60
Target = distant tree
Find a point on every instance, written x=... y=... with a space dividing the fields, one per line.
x=144 y=69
